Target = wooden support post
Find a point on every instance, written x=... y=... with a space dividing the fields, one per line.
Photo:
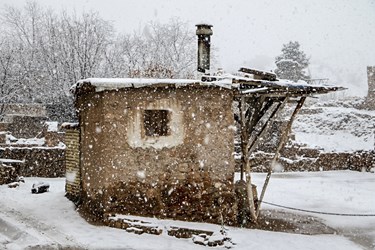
x=250 y=194
x=251 y=147
x=247 y=124
x=243 y=132
x=252 y=123
x=283 y=140
x=251 y=114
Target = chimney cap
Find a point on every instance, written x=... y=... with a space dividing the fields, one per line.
x=204 y=29
x=203 y=25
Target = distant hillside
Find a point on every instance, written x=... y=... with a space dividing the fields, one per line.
x=335 y=126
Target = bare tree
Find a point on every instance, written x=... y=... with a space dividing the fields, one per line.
x=84 y=42
x=9 y=86
x=23 y=28
x=174 y=47
x=160 y=50
x=51 y=51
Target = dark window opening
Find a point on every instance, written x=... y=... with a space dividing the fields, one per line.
x=156 y=122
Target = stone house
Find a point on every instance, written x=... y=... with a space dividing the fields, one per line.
x=161 y=147
x=166 y=144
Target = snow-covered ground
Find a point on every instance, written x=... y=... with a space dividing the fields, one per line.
x=339 y=128
x=49 y=220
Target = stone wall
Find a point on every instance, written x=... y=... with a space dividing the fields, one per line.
x=3 y=137
x=30 y=109
x=304 y=159
x=8 y=174
x=39 y=161
x=4 y=126
x=25 y=126
x=53 y=138
x=186 y=175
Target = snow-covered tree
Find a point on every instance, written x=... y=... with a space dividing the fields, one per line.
x=292 y=63
x=43 y=53
x=9 y=86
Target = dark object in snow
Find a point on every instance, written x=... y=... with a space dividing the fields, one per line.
x=133 y=226
x=13 y=185
x=40 y=187
x=20 y=179
x=200 y=239
x=213 y=240
x=186 y=233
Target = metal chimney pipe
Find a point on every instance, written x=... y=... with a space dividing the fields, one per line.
x=204 y=33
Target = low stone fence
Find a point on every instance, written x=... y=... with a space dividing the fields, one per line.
x=38 y=161
x=304 y=159
x=22 y=126
x=8 y=174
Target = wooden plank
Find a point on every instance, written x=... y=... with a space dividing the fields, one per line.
x=263 y=75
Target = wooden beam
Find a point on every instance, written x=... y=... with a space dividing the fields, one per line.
x=241 y=107
x=274 y=94
x=252 y=146
x=283 y=140
x=262 y=74
x=253 y=121
x=248 y=111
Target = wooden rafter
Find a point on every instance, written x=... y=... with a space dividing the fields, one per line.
x=266 y=125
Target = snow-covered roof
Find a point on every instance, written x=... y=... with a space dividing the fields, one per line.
x=116 y=83
x=247 y=84
x=101 y=84
x=242 y=83
x=69 y=125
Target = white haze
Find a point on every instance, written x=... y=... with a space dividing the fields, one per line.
x=338 y=35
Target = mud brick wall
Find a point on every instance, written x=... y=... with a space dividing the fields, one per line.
x=192 y=198
x=187 y=175
x=40 y=162
x=73 y=173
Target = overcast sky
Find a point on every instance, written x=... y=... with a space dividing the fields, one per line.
x=338 y=35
